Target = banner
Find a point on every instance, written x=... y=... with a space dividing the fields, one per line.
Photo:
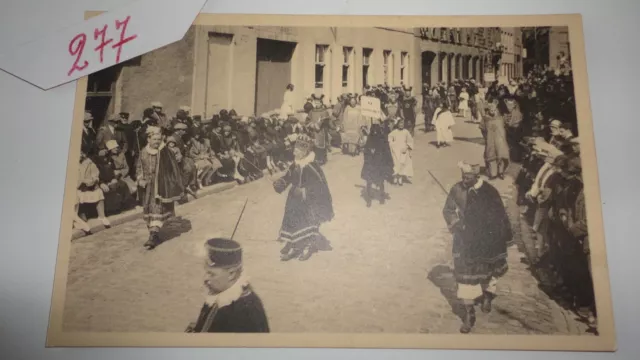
x=370 y=107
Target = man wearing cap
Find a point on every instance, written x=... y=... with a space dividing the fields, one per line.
x=231 y=305
x=476 y=217
x=88 y=135
x=109 y=131
x=160 y=116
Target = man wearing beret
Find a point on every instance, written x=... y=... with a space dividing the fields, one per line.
x=231 y=305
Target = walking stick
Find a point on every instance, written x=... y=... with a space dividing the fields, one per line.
x=239 y=218
x=438 y=182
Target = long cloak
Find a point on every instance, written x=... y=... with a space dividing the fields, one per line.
x=481 y=236
x=401 y=144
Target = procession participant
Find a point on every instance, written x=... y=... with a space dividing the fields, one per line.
x=463 y=102
x=496 y=151
x=352 y=125
x=476 y=217
x=401 y=145
x=378 y=163
x=287 y=107
x=453 y=98
x=392 y=108
x=555 y=136
x=160 y=177
x=443 y=121
x=318 y=127
x=409 y=104
x=309 y=203
x=231 y=305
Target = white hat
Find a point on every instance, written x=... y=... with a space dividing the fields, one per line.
x=112 y=144
x=157 y=104
x=185 y=108
x=88 y=116
x=555 y=123
x=468 y=168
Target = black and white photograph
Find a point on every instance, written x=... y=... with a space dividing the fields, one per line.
x=334 y=182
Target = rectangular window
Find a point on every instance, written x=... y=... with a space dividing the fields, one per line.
x=404 y=68
x=366 y=62
x=386 y=55
x=321 y=54
x=346 y=62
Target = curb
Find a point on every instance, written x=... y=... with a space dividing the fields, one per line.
x=135 y=214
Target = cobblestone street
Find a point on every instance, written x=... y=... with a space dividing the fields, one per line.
x=387 y=272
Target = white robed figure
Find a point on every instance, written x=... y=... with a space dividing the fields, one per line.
x=443 y=121
x=401 y=144
x=287 y=103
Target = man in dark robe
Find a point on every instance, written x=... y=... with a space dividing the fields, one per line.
x=231 y=305
x=409 y=104
x=476 y=217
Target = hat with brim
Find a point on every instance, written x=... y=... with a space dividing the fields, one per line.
x=88 y=116
x=111 y=144
x=185 y=108
x=223 y=252
x=156 y=104
x=180 y=126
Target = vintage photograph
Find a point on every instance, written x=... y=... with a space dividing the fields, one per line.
x=292 y=179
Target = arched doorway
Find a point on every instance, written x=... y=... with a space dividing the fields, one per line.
x=428 y=60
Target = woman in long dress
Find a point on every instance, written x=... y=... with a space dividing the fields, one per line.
x=496 y=151
x=401 y=144
x=463 y=104
x=352 y=128
x=378 y=163
x=160 y=177
x=309 y=203
x=443 y=121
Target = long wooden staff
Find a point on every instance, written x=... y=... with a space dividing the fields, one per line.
x=239 y=218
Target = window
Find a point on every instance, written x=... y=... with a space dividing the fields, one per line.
x=387 y=66
x=404 y=68
x=366 y=63
x=346 y=62
x=321 y=54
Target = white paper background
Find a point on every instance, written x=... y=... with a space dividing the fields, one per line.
x=35 y=139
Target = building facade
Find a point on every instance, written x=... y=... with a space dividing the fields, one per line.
x=248 y=68
x=455 y=53
x=511 y=65
x=559 y=47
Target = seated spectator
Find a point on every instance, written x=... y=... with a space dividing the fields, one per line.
x=117 y=195
x=205 y=161
x=187 y=166
x=89 y=190
x=120 y=165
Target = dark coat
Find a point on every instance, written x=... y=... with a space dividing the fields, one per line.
x=378 y=163
x=245 y=315
x=481 y=235
x=89 y=145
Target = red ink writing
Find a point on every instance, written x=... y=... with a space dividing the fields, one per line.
x=101 y=33
x=122 y=24
x=77 y=44
x=76 y=47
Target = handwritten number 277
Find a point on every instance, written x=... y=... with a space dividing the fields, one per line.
x=77 y=44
